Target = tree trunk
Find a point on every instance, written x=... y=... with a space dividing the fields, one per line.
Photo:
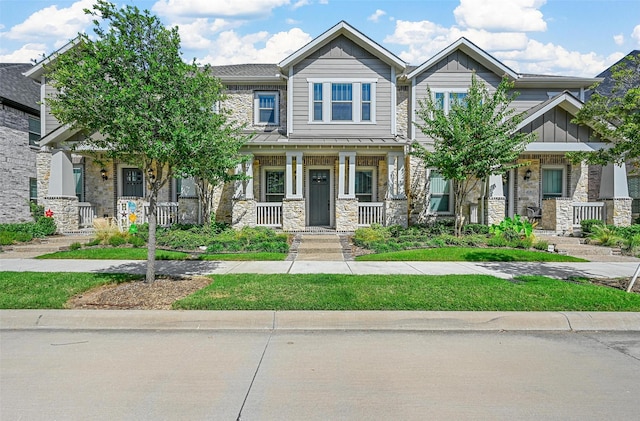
x=151 y=245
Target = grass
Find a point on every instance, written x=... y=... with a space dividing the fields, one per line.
x=404 y=292
x=469 y=254
x=115 y=253
x=50 y=290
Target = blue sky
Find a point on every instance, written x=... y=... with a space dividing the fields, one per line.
x=567 y=37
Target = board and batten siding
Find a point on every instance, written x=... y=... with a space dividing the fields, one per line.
x=50 y=122
x=341 y=59
x=555 y=126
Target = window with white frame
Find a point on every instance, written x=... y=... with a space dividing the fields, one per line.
x=78 y=178
x=634 y=192
x=34 y=131
x=274 y=185
x=553 y=185
x=440 y=189
x=266 y=107
x=33 y=190
x=342 y=100
x=447 y=99
x=364 y=185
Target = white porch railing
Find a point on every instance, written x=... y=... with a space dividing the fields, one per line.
x=370 y=213
x=86 y=214
x=166 y=213
x=269 y=214
x=588 y=210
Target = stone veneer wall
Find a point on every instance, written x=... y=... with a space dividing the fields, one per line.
x=396 y=212
x=65 y=212
x=293 y=215
x=618 y=211
x=495 y=210
x=557 y=215
x=244 y=213
x=346 y=214
x=17 y=165
x=188 y=210
x=99 y=192
x=418 y=191
x=402 y=111
x=579 y=178
x=43 y=170
x=239 y=102
x=528 y=191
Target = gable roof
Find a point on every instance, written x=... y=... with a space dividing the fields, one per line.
x=606 y=86
x=563 y=100
x=38 y=70
x=17 y=90
x=343 y=28
x=247 y=73
x=473 y=51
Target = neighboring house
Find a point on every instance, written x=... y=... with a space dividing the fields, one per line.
x=19 y=135
x=333 y=124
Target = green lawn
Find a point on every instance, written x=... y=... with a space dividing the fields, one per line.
x=469 y=254
x=404 y=292
x=112 y=253
x=22 y=290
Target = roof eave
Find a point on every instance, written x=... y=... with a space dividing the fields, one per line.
x=251 y=79
x=37 y=71
x=562 y=82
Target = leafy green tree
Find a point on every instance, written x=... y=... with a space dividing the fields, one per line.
x=154 y=110
x=476 y=138
x=614 y=115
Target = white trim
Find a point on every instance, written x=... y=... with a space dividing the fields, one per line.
x=451 y=210
x=356 y=100
x=290 y=102
x=565 y=100
x=342 y=175
x=342 y=80
x=263 y=179
x=289 y=175
x=446 y=103
x=559 y=147
x=374 y=181
x=256 y=108
x=413 y=110
x=394 y=100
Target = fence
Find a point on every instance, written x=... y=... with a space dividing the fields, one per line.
x=269 y=214
x=588 y=210
x=370 y=213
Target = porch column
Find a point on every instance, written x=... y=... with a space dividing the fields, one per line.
x=614 y=192
x=294 y=178
x=244 y=188
x=346 y=181
x=396 y=174
x=495 y=210
x=61 y=198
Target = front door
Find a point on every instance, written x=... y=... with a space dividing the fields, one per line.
x=132 y=183
x=319 y=198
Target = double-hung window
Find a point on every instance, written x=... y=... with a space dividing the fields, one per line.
x=266 y=107
x=33 y=190
x=552 y=183
x=275 y=184
x=366 y=102
x=342 y=100
x=364 y=185
x=447 y=99
x=634 y=192
x=440 y=189
x=34 y=131
x=317 y=102
x=79 y=182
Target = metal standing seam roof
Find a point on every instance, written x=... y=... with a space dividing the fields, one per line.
x=279 y=139
x=17 y=88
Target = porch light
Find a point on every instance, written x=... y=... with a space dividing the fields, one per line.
x=527 y=175
x=103 y=173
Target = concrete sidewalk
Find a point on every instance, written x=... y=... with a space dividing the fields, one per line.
x=161 y=320
x=504 y=270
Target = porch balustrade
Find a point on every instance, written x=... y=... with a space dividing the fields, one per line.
x=166 y=213
x=370 y=213
x=588 y=210
x=269 y=214
x=86 y=213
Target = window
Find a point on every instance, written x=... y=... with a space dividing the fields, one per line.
x=33 y=190
x=364 y=185
x=342 y=101
x=552 y=183
x=34 y=131
x=445 y=100
x=266 y=108
x=634 y=192
x=366 y=102
x=317 y=102
x=440 y=193
x=274 y=191
x=79 y=182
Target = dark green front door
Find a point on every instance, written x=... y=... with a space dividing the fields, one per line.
x=319 y=195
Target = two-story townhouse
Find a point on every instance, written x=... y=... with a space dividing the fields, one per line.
x=19 y=135
x=333 y=124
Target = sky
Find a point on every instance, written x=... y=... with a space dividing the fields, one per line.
x=557 y=37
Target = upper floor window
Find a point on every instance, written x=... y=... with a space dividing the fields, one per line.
x=266 y=107
x=34 y=131
x=343 y=100
x=445 y=100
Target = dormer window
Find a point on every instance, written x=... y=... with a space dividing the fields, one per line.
x=342 y=101
x=266 y=107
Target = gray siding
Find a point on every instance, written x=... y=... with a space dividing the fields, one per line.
x=341 y=58
x=555 y=126
x=50 y=122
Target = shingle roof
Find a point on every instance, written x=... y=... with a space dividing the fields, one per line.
x=233 y=71
x=17 y=88
x=606 y=87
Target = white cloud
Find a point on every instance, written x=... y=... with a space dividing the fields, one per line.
x=502 y=15
x=636 y=35
x=196 y=34
x=226 y=8
x=25 y=54
x=300 y=3
x=259 y=47
x=618 y=39
x=52 y=24
x=290 y=21
x=377 y=15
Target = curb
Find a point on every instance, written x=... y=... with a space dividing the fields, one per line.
x=152 y=320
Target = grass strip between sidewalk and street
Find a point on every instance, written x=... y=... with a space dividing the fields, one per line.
x=469 y=254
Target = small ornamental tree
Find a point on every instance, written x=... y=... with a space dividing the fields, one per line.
x=154 y=110
x=615 y=116
x=475 y=138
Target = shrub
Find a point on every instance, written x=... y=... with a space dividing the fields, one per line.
x=136 y=241
x=365 y=237
x=75 y=246
x=44 y=226
x=541 y=245
x=512 y=227
x=105 y=229
x=182 y=240
x=118 y=240
x=632 y=244
x=7 y=238
x=588 y=224
x=605 y=235
x=93 y=242
x=23 y=237
x=475 y=229
x=497 y=241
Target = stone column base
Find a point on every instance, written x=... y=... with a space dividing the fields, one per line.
x=557 y=215
x=396 y=212
x=495 y=210
x=618 y=211
x=346 y=214
x=65 y=212
x=188 y=210
x=293 y=215
x=243 y=213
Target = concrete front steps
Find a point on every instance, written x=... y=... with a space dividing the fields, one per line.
x=323 y=247
x=40 y=246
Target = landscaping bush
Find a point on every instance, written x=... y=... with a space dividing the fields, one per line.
x=44 y=226
x=182 y=240
x=118 y=239
x=136 y=241
x=105 y=229
x=587 y=225
x=75 y=246
x=497 y=241
x=475 y=229
x=365 y=237
x=511 y=228
x=7 y=238
x=605 y=235
x=541 y=245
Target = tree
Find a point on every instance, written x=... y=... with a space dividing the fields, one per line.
x=153 y=110
x=476 y=138
x=613 y=114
